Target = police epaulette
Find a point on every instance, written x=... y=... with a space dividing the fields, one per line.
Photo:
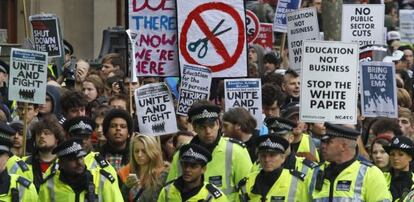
x=309 y=163
x=101 y=160
x=214 y=191
x=23 y=181
x=367 y=163
x=237 y=142
x=29 y=160
x=23 y=165
x=107 y=175
x=297 y=174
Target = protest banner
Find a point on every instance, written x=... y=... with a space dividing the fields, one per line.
x=363 y=23
x=132 y=36
x=155 y=108
x=302 y=25
x=195 y=85
x=329 y=88
x=213 y=35
x=252 y=26
x=155 y=47
x=379 y=93
x=284 y=6
x=28 y=76
x=407 y=25
x=246 y=93
x=47 y=34
x=265 y=38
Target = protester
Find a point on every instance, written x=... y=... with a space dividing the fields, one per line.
x=17 y=139
x=73 y=104
x=272 y=99
x=82 y=70
x=110 y=63
x=94 y=91
x=379 y=156
x=181 y=138
x=98 y=137
x=119 y=101
x=52 y=103
x=167 y=147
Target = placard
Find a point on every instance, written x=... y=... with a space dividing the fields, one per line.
x=407 y=25
x=246 y=93
x=156 y=115
x=155 y=47
x=329 y=82
x=195 y=85
x=28 y=76
x=265 y=38
x=284 y=6
x=46 y=34
x=379 y=93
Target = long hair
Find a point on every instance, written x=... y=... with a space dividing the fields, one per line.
x=151 y=174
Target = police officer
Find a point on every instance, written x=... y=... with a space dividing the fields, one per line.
x=15 y=165
x=230 y=159
x=190 y=186
x=13 y=188
x=82 y=127
x=273 y=182
x=73 y=182
x=345 y=177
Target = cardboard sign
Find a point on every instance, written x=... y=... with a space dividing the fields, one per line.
x=363 y=23
x=252 y=26
x=246 y=93
x=407 y=25
x=213 y=35
x=28 y=76
x=156 y=115
x=265 y=38
x=46 y=34
x=379 y=93
x=195 y=85
x=284 y=6
x=329 y=82
x=302 y=25
x=155 y=47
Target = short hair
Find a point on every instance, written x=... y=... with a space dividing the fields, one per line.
x=290 y=73
x=101 y=111
x=121 y=96
x=97 y=82
x=406 y=113
x=272 y=93
x=114 y=58
x=403 y=98
x=71 y=99
x=242 y=117
x=50 y=122
x=383 y=125
x=273 y=78
x=181 y=133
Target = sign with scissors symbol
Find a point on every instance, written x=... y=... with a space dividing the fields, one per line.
x=212 y=34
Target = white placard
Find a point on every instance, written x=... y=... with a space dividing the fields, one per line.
x=407 y=25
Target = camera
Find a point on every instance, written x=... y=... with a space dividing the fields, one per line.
x=121 y=85
x=70 y=72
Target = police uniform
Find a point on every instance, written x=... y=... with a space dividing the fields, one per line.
x=354 y=180
x=277 y=185
x=93 y=185
x=14 y=165
x=231 y=161
x=173 y=191
x=13 y=187
x=84 y=126
x=400 y=185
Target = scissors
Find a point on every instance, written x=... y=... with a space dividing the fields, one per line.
x=203 y=50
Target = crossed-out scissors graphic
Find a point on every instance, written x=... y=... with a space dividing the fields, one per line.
x=204 y=41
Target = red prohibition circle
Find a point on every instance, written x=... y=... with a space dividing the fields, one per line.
x=229 y=60
x=255 y=21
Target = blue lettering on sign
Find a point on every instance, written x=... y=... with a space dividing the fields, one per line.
x=162 y=22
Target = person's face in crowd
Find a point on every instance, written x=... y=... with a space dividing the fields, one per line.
x=148 y=80
x=408 y=55
x=271 y=160
x=331 y=149
x=380 y=158
x=99 y=128
x=82 y=69
x=89 y=89
x=3 y=77
x=405 y=125
x=269 y=67
x=119 y=104
x=400 y=160
x=18 y=139
x=183 y=139
x=118 y=131
x=291 y=86
x=207 y=132
x=192 y=171
x=253 y=71
x=140 y=155
x=72 y=165
x=86 y=141
x=31 y=112
x=169 y=147
x=182 y=121
x=301 y=126
x=271 y=111
x=318 y=5
x=75 y=112
x=318 y=129
x=47 y=107
x=395 y=45
x=107 y=68
x=252 y=55
x=131 y=86
x=229 y=129
x=401 y=64
x=46 y=140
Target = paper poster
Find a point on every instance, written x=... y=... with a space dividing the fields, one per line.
x=46 y=34
x=407 y=25
x=284 y=6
